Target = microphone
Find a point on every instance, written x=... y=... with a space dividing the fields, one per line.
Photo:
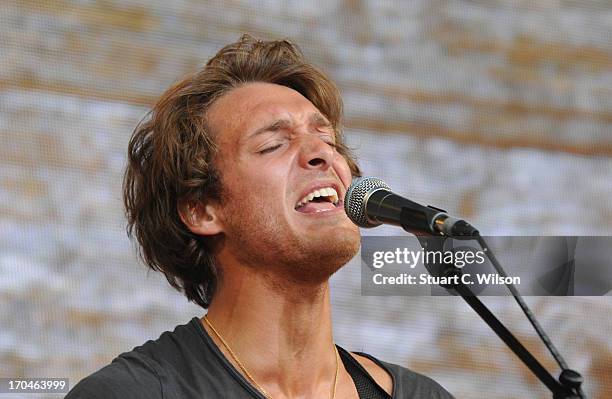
x=369 y=202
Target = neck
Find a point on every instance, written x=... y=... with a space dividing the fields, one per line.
x=279 y=330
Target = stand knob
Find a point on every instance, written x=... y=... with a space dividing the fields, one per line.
x=570 y=378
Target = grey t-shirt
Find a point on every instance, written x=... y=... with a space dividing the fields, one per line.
x=186 y=363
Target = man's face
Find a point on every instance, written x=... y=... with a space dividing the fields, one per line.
x=276 y=150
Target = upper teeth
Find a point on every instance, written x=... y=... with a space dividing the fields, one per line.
x=321 y=192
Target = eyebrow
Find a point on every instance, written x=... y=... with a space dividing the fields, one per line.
x=279 y=124
x=319 y=120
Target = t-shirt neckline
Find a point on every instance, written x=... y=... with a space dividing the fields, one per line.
x=243 y=381
x=226 y=363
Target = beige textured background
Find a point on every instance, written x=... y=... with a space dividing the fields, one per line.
x=499 y=111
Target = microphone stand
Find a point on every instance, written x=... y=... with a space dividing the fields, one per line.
x=568 y=386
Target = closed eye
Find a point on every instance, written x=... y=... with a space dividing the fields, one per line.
x=329 y=141
x=269 y=149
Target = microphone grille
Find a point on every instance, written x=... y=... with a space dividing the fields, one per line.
x=356 y=197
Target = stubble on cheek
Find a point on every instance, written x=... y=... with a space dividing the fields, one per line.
x=262 y=236
x=263 y=239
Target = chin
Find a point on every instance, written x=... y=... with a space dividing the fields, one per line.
x=326 y=255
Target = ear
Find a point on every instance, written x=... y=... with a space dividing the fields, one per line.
x=200 y=218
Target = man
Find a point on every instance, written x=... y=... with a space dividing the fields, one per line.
x=234 y=190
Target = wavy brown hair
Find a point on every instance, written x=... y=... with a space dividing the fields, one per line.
x=171 y=155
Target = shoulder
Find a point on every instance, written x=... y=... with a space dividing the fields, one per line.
x=407 y=383
x=140 y=372
x=128 y=376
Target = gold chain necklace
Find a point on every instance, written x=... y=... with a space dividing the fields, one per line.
x=249 y=376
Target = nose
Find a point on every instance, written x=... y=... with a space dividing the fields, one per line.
x=315 y=153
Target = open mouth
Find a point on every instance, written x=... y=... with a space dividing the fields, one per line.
x=319 y=200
